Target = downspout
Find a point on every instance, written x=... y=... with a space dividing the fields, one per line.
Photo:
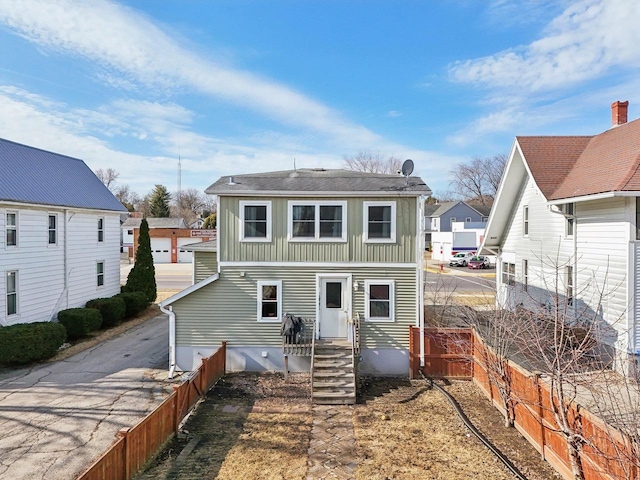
x=421 y=275
x=172 y=339
x=65 y=275
x=575 y=248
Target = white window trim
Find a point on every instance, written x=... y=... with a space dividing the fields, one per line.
x=57 y=230
x=451 y=220
x=526 y=224
x=101 y=229
x=17 y=293
x=392 y=302
x=265 y=283
x=317 y=238
x=467 y=220
x=17 y=228
x=570 y=223
x=261 y=203
x=525 y=274
x=98 y=274
x=365 y=224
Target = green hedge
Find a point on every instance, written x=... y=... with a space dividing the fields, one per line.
x=112 y=310
x=80 y=321
x=135 y=303
x=30 y=342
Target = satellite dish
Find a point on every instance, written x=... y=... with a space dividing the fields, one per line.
x=407 y=168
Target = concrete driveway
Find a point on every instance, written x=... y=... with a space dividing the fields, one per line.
x=58 y=417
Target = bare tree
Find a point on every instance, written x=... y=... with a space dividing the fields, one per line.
x=128 y=198
x=372 y=162
x=478 y=180
x=191 y=204
x=108 y=176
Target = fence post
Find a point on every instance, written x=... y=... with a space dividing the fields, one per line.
x=204 y=382
x=176 y=392
x=224 y=357
x=411 y=353
x=540 y=414
x=123 y=433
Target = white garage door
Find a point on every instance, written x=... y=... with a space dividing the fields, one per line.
x=161 y=250
x=183 y=256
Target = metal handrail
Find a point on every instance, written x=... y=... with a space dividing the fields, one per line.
x=313 y=352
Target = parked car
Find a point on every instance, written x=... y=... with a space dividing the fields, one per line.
x=479 y=262
x=460 y=259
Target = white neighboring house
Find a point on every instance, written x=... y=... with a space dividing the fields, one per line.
x=60 y=237
x=571 y=206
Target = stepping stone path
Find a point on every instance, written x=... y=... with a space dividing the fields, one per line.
x=332 y=448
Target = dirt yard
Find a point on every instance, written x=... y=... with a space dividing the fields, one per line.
x=256 y=426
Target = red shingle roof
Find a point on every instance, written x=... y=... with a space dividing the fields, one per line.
x=566 y=167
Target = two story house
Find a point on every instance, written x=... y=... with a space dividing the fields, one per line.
x=565 y=225
x=60 y=241
x=329 y=245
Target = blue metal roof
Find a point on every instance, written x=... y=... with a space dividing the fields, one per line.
x=31 y=175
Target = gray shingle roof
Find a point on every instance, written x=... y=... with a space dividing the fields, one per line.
x=156 y=222
x=31 y=175
x=309 y=181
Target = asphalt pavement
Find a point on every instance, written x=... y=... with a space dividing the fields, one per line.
x=57 y=418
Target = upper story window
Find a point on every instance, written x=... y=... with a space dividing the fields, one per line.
x=525 y=275
x=255 y=221
x=100 y=229
x=485 y=219
x=269 y=300
x=11 y=226
x=53 y=229
x=317 y=221
x=380 y=305
x=379 y=222
x=451 y=220
x=569 y=209
x=525 y=220
x=467 y=220
x=12 y=292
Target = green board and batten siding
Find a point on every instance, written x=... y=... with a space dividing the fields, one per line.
x=353 y=250
x=205 y=264
x=226 y=310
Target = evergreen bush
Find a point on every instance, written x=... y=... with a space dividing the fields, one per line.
x=135 y=303
x=112 y=310
x=30 y=342
x=80 y=321
x=142 y=277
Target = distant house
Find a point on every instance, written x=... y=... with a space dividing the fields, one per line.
x=168 y=236
x=453 y=227
x=565 y=225
x=60 y=243
x=333 y=246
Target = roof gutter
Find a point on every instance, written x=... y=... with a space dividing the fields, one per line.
x=597 y=196
x=306 y=193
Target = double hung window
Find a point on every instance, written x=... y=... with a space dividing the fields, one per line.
x=525 y=220
x=53 y=229
x=100 y=274
x=379 y=304
x=269 y=300
x=317 y=221
x=100 y=229
x=11 y=226
x=380 y=222
x=508 y=273
x=11 y=282
x=255 y=221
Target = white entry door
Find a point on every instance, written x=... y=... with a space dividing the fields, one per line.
x=333 y=307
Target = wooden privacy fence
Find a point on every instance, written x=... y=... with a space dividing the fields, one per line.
x=137 y=445
x=459 y=353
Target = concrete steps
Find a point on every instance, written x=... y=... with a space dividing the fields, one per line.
x=334 y=379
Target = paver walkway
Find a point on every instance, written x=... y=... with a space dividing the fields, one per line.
x=332 y=450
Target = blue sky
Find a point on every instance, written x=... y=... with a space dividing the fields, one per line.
x=237 y=86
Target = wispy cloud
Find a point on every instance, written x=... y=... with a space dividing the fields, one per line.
x=132 y=51
x=584 y=42
x=394 y=113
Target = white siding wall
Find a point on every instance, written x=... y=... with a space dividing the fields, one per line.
x=40 y=266
x=601 y=249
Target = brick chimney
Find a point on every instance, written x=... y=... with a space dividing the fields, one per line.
x=619 y=113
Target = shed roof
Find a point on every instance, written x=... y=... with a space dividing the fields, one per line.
x=318 y=181
x=35 y=176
